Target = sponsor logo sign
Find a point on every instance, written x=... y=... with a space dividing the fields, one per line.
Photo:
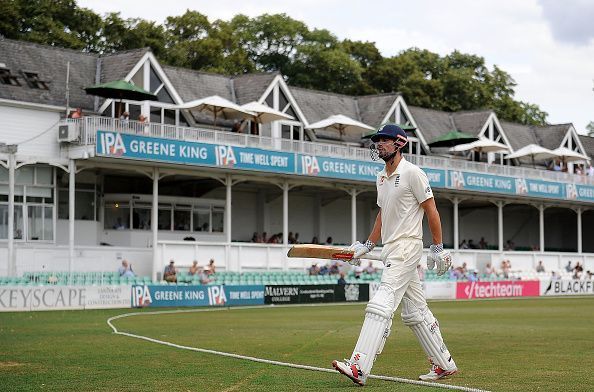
x=244 y=295
x=567 y=287
x=315 y=293
x=167 y=296
x=477 y=290
x=27 y=298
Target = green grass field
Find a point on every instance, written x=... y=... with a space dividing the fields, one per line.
x=502 y=345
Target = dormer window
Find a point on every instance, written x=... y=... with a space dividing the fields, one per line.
x=7 y=78
x=33 y=80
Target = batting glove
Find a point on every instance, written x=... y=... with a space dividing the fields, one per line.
x=440 y=258
x=360 y=250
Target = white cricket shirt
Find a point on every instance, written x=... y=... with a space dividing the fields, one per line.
x=399 y=196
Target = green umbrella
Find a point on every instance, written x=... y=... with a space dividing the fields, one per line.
x=453 y=138
x=121 y=89
x=403 y=126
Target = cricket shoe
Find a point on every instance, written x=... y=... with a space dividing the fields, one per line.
x=351 y=370
x=436 y=372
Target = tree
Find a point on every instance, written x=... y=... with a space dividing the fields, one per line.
x=590 y=128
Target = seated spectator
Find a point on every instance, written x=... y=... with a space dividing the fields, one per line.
x=256 y=237
x=568 y=267
x=489 y=270
x=329 y=241
x=554 y=276
x=464 y=269
x=125 y=119
x=239 y=126
x=195 y=268
x=76 y=113
x=264 y=237
x=210 y=269
x=463 y=245
x=577 y=271
x=505 y=268
x=370 y=269
x=509 y=245
x=483 y=243
x=203 y=277
x=314 y=269
x=119 y=225
x=291 y=239
x=590 y=170
x=297 y=238
x=170 y=273
x=473 y=277
x=472 y=245
x=126 y=270
x=324 y=270
x=557 y=166
x=315 y=240
x=333 y=270
x=540 y=267
x=341 y=280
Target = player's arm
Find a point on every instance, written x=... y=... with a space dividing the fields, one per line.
x=433 y=219
x=437 y=255
x=375 y=235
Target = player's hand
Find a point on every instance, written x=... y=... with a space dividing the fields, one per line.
x=440 y=258
x=360 y=250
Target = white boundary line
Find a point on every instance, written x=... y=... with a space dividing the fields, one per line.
x=260 y=360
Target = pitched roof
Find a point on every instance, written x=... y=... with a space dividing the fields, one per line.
x=191 y=84
x=550 y=136
x=318 y=105
x=471 y=122
x=116 y=66
x=519 y=135
x=50 y=63
x=250 y=87
x=432 y=123
x=588 y=143
x=374 y=108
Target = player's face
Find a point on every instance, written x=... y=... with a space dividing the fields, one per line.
x=385 y=146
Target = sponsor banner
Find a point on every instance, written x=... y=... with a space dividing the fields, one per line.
x=296 y=294
x=107 y=297
x=244 y=295
x=27 y=298
x=566 y=287
x=477 y=290
x=310 y=165
x=124 y=145
x=437 y=177
x=580 y=192
x=481 y=182
x=539 y=188
x=440 y=290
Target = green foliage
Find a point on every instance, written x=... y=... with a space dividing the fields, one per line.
x=311 y=58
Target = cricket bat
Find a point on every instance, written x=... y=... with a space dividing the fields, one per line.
x=325 y=252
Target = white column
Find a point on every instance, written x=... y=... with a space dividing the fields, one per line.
x=500 y=224
x=456 y=224
x=286 y=213
x=228 y=184
x=71 y=188
x=11 y=260
x=542 y=223
x=157 y=264
x=579 y=230
x=353 y=215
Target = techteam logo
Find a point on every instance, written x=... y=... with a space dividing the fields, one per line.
x=141 y=296
x=309 y=165
x=225 y=156
x=112 y=144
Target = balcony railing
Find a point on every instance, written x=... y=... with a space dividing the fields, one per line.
x=89 y=125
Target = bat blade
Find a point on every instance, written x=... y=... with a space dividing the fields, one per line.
x=320 y=252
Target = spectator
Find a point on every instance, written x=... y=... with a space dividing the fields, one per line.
x=315 y=240
x=577 y=271
x=264 y=237
x=76 y=113
x=329 y=241
x=195 y=268
x=370 y=269
x=471 y=244
x=489 y=270
x=590 y=170
x=291 y=239
x=210 y=269
x=125 y=119
x=463 y=245
x=314 y=269
x=358 y=271
x=170 y=273
x=554 y=276
x=126 y=270
x=589 y=275
x=239 y=126
x=144 y=125
x=297 y=238
x=568 y=267
x=505 y=268
x=333 y=268
x=256 y=237
x=473 y=277
x=509 y=245
x=483 y=243
x=341 y=280
x=540 y=267
x=557 y=165
x=119 y=225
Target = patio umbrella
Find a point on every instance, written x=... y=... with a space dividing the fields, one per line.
x=453 y=138
x=481 y=145
x=121 y=89
x=219 y=107
x=567 y=155
x=404 y=127
x=264 y=114
x=342 y=124
x=534 y=151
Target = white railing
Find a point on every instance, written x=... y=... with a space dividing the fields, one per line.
x=88 y=127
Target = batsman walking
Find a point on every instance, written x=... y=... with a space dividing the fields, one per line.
x=403 y=195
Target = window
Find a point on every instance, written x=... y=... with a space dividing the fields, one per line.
x=7 y=78
x=84 y=204
x=181 y=217
x=164 y=222
x=33 y=80
x=218 y=214
x=3 y=221
x=117 y=216
x=141 y=216
x=201 y=219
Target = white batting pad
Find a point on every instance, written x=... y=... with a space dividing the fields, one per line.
x=425 y=326
x=376 y=328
